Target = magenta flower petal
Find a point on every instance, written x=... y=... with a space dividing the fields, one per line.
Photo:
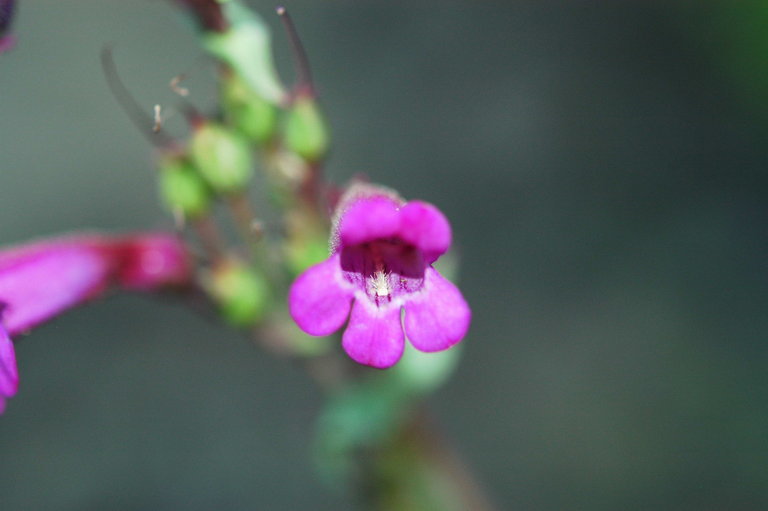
x=39 y=283
x=9 y=375
x=318 y=302
x=438 y=317
x=374 y=336
x=425 y=227
x=369 y=218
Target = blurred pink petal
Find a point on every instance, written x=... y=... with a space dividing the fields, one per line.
x=40 y=280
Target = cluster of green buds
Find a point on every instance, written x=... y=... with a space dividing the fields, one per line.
x=263 y=127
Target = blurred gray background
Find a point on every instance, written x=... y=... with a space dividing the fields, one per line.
x=604 y=168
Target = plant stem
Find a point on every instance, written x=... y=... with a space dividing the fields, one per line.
x=245 y=218
x=208 y=234
x=419 y=469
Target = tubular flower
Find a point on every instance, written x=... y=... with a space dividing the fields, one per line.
x=382 y=251
x=41 y=280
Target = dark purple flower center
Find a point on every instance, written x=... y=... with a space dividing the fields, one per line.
x=384 y=269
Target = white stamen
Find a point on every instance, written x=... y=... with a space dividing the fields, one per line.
x=379 y=285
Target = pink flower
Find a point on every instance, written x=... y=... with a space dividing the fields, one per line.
x=40 y=280
x=381 y=262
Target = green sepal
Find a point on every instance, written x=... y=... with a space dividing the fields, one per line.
x=242 y=293
x=246 y=48
x=250 y=113
x=306 y=132
x=222 y=156
x=182 y=189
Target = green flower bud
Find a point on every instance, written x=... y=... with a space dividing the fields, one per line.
x=246 y=47
x=182 y=189
x=241 y=292
x=222 y=157
x=306 y=132
x=251 y=114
